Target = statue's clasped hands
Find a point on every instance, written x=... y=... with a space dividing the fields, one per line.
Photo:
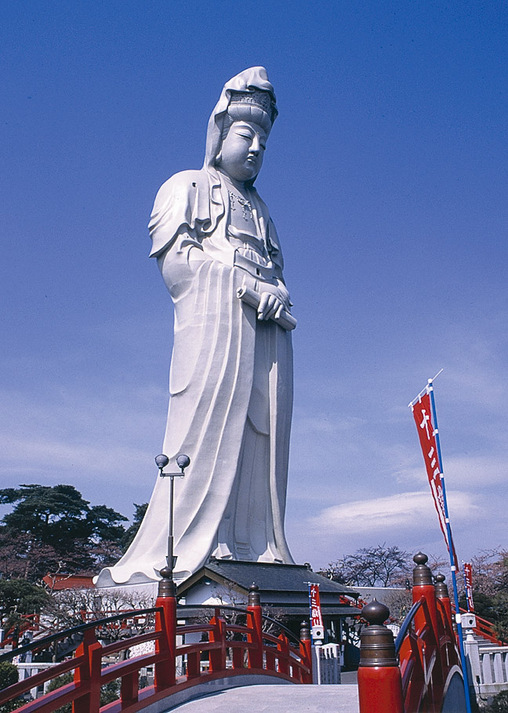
x=270 y=306
x=271 y=303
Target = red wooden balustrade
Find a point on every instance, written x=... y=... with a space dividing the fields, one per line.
x=232 y=643
x=412 y=674
x=486 y=629
x=27 y=623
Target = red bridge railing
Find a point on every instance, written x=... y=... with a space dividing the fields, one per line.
x=232 y=642
x=417 y=672
x=486 y=630
x=27 y=623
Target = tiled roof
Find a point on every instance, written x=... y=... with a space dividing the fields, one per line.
x=57 y=582
x=281 y=586
x=275 y=577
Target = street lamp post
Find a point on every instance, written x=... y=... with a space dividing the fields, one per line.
x=167 y=587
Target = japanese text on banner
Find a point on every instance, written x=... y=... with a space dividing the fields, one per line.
x=468 y=582
x=316 y=618
x=422 y=414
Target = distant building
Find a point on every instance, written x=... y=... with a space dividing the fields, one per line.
x=58 y=582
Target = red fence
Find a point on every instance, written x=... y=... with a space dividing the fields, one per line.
x=28 y=622
x=486 y=630
x=232 y=642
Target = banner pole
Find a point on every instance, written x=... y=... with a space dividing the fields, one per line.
x=451 y=551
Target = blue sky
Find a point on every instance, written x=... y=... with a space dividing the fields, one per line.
x=386 y=175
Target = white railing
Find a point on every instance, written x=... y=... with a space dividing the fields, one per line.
x=326 y=664
x=25 y=670
x=488 y=665
x=493 y=669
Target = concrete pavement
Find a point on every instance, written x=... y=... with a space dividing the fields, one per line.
x=276 y=698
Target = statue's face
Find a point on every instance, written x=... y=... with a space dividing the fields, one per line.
x=242 y=151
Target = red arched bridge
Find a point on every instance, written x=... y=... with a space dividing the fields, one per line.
x=187 y=646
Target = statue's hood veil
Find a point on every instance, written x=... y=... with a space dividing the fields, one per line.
x=178 y=203
x=248 y=80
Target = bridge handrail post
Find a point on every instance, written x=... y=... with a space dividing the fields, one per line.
x=283 y=653
x=165 y=648
x=254 y=607
x=218 y=636
x=444 y=597
x=88 y=675
x=423 y=587
x=379 y=679
x=306 y=651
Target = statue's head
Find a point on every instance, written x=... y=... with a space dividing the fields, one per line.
x=240 y=124
x=245 y=130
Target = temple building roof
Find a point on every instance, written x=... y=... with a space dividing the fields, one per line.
x=281 y=586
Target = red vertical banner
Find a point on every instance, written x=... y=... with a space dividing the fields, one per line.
x=316 y=617
x=422 y=414
x=468 y=583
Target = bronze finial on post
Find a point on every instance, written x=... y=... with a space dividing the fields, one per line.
x=379 y=679
x=377 y=647
x=423 y=587
x=167 y=586
x=304 y=631
x=441 y=588
x=422 y=576
x=256 y=622
x=254 y=599
x=444 y=597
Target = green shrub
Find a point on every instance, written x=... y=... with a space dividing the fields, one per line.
x=8 y=674
x=499 y=703
x=12 y=705
x=57 y=683
x=109 y=692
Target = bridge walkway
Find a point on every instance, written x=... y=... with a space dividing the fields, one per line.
x=270 y=698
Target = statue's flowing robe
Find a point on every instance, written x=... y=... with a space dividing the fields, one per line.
x=231 y=387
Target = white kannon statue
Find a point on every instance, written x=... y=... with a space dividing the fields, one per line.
x=231 y=380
